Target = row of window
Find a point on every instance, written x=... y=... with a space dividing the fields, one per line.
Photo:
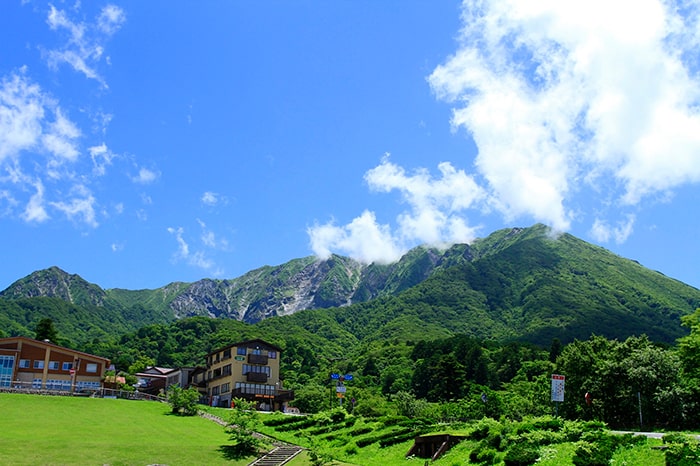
x=54 y=365
x=242 y=351
x=247 y=368
x=256 y=388
x=221 y=389
x=54 y=384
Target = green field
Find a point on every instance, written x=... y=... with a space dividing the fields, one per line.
x=62 y=430
x=48 y=430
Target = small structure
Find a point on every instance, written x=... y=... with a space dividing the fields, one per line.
x=433 y=446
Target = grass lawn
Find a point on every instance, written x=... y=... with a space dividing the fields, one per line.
x=43 y=430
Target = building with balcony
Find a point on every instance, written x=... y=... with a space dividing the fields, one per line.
x=41 y=365
x=249 y=370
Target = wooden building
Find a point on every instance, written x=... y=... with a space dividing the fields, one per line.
x=41 y=365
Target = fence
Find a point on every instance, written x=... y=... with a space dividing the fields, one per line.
x=67 y=390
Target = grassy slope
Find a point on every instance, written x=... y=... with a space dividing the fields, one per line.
x=84 y=431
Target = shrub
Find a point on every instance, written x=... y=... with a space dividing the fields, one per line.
x=483 y=428
x=521 y=454
x=682 y=450
x=482 y=454
x=595 y=449
x=183 y=402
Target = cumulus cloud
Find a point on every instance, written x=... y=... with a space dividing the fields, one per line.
x=559 y=96
x=84 y=45
x=434 y=216
x=580 y=112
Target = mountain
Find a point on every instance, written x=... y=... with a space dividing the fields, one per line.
x=306 y=283
x=527 y=285
x=515 y=283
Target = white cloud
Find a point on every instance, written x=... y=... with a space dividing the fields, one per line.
x=210 y=239
x=145 y=176
x=80 y=207
x=101 y=158
x=111 y=19
x=211 y=198
x=435 y=215
x=84 y=47
x=35 y=210
x=601 y=231
x=39 y=148
x=363 y=239
x=183 y=249
x=563 y=95
x=193 y=258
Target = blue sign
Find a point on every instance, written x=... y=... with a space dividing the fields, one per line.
x=348 y=377
x=335 y=376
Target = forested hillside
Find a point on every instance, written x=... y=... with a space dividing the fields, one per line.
x=515 y=284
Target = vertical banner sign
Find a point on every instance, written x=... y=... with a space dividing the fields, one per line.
x=557 y=387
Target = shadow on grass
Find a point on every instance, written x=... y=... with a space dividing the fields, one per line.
x=235 y=452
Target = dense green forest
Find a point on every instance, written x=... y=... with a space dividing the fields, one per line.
x=452 y=378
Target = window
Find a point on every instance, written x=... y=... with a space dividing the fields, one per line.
x=242 y=350
x=215 y=391
x=227 y=369
x=257 y=369
x=227 y=353
x=38 y=364
x=91 y=367
x=225 y=388
x=24 y=363
x=55 y=384
x=272 y=354
x=53 y=365
x=7 y=364
x=257 y=351
x=67 y=366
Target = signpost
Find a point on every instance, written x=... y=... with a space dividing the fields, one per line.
x=557 y=390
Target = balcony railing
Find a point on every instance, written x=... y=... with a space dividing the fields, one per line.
x=259 y=377
x=257 y=359
x=250 y=394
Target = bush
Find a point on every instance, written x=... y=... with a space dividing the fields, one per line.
x=594 y=449
x=682 y=450
x=521 y=454
x=183 y=402
x=483 y=454
x=483 y=428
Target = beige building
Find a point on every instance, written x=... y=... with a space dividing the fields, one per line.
x=249 y=370
x=40 y=365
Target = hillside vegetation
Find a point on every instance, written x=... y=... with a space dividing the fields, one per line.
x=515 y=284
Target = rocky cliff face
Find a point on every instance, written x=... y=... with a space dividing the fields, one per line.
x=306 y=283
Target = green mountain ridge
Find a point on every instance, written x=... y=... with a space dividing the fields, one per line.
x=518 y=283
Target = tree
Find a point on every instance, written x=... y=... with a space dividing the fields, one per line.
x=183 y=402
x=241 y=428
x=45 y=330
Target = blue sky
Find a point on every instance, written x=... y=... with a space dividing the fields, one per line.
x=143 y=143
